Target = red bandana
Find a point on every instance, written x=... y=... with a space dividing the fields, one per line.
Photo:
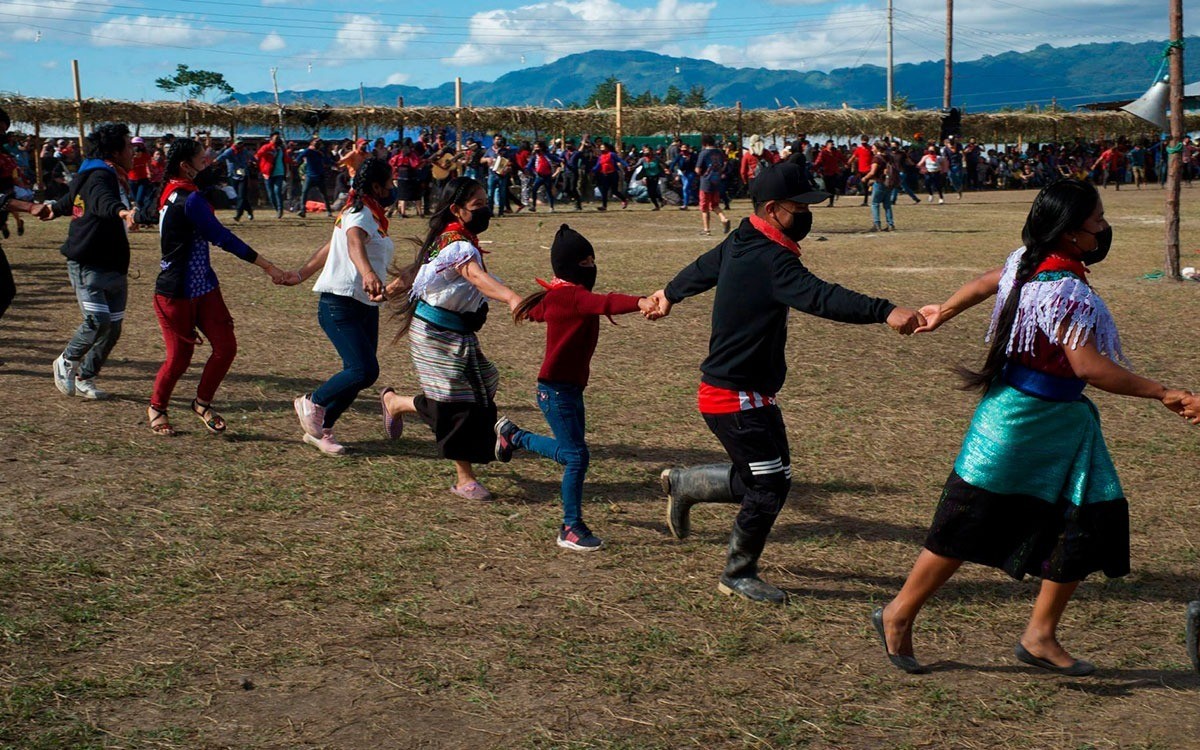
x=1056 y=262
x=774 y=235
x=554 y=283
x=381 y=219
x=456 y=227
x=172 y=185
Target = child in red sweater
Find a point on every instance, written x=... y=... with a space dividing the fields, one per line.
x=571 y=313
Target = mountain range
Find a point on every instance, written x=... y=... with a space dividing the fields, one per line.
x=1070 y=75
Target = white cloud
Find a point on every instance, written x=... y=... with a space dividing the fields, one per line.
x=49 y=64
x=367 y=36
x=26 y=15
x=579 y=27
x=272 y=43
x=396 y=79
x=130 y=31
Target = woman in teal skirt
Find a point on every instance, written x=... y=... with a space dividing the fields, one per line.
x=1033 y=490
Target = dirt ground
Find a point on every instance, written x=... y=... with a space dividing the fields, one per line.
x=245 y=591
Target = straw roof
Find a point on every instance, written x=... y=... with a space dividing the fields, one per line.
x=634 y=121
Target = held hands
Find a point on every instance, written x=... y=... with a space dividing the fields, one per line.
x=655 y=306
x=373 y=287
x=933 y=319
x=905 y=321
x=42 y=211
x=129 y=216
x=1184 y=403
x=277 y=274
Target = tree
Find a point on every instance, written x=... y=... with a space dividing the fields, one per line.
x=900 y=103
x=673 y=96
x=645 y=99
x=695 y=98
x=605 y=94
x=194 y=84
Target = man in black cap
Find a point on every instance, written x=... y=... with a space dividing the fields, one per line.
x=758 y=276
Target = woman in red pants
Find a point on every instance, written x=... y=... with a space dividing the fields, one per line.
x=187 y=297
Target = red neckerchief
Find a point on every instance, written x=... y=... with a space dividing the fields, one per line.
x=122 y=175
x=457 y=226
x=774 y=235
x=377 y=212
x=556 y=283
x=172 y=185
x=1056 y=262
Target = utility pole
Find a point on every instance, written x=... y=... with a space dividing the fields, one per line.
x=891 y=90
x=946 y=86
x=1175 y=152
x=278 y=109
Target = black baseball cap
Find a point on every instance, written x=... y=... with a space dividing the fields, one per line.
x=785 y=182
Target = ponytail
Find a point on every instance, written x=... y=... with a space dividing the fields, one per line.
x=521 y=313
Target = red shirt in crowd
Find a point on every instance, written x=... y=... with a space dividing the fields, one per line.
x=863 y=156
x=141 y=167
x=572 y=317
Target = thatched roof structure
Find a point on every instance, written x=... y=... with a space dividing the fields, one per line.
x=634 y=121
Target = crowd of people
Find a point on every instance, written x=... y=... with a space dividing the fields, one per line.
x=1032 y=492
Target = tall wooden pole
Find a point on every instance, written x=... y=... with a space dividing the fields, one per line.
x=400 y=107
x=362 y=102
x=37 y=154
x=741 y=137
x=457 y=114
x=78 y=102
x=1175 y=157
x=947 y=84
x=891 y=90
x=620 y=103
x=278 y=108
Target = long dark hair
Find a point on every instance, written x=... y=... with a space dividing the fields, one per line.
x=521 y=312
x=371 y=172
x=1059 y=208
x=456 y=193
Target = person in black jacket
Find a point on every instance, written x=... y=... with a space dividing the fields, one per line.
x=758 y=277
x=97 y=251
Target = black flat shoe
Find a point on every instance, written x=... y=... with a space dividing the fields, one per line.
x=906 y=663
x=1078 y=668
x=1193 y=633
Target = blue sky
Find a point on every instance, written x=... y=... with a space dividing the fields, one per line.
x=123 y=45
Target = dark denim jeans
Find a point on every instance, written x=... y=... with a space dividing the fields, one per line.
x=562 y=405
x=275 y=193
x=354 y=330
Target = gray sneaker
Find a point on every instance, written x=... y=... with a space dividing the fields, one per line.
x=64 y=376
x=88 y=389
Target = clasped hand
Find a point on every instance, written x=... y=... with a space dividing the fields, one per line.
x=655 y=306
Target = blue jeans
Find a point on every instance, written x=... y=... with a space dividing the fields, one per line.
x=318 y=182
x=687 y=185
x=275 y=193
x=242 y=201
x=907 y=180
x=881 y=196
x=354 y=330
x=562 y=405
x=497 y=190
x=546 y=182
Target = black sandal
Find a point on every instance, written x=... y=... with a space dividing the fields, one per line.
x=212 y=421
x=160 y=423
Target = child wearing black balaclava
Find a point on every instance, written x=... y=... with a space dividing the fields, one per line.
x=571 y=312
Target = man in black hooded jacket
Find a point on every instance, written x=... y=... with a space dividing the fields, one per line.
x=97 y=251
x=758 y=277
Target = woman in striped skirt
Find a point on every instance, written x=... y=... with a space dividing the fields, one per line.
x=448 y=288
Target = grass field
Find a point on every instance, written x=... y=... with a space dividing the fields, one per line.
x=245 y=591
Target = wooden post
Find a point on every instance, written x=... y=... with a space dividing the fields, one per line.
x=741 y=137
x=457 y=114
x=37 y=154
x=362 y=102
x=1175 y=159
x=278 y=108
x=947 y=84
x=78 y=103
x=620 y=96
x=400 y=106
x=891 y=93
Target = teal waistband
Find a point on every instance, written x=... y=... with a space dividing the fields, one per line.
x=441 y=317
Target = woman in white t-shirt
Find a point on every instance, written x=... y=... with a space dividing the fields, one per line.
x=354 y=263
x=448 y=286
x=932 y=166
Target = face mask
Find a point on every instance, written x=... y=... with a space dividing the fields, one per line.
x=801 y=224
x=585 y=276
x=480 y=218
x=206 y=178
x=1103 y=243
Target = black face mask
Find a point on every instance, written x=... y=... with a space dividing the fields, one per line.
x=585 y=276
x=480 y=218
x=801 y=225
x=1103 y=243
x=206 y=178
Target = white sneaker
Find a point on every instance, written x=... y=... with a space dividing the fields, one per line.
x=941 y=201
x=64 y=376
x=87 y=389
x=931 y=199
x=311 y=416
x=326 y=443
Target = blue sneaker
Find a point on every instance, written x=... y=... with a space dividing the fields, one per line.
x=505 y=432
x=579 y=538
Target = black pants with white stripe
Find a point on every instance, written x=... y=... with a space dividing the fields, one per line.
x=756 y=441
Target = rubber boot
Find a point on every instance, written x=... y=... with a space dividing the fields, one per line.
x=741 y=570
x=711 y=483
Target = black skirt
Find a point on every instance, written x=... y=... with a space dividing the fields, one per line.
x=464 y=432
x=1024 y=535
x=408 y=190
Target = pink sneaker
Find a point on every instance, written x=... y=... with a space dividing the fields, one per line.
x=311 y=416
x=471 y=491
x=326 y=443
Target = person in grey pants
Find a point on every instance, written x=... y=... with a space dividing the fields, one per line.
x=97 y=252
